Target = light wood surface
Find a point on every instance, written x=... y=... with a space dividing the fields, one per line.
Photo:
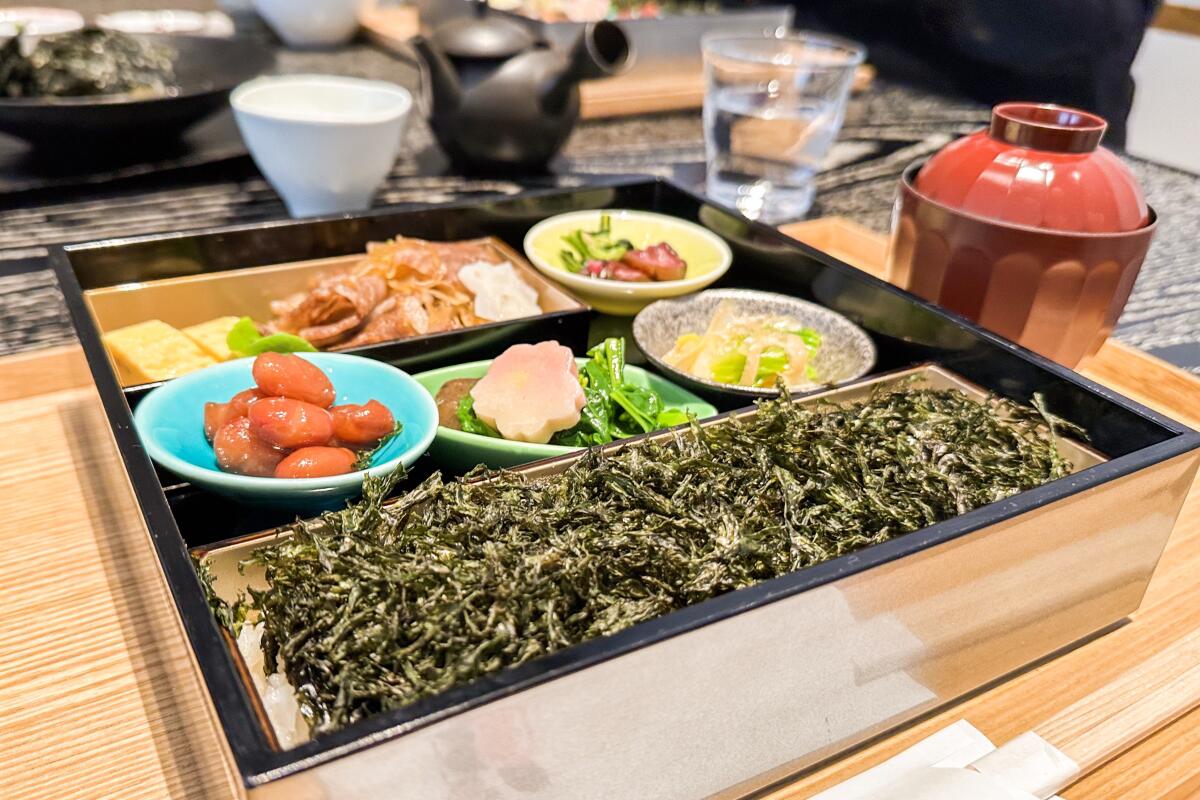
x=668 y=91
x=389 y=26
x=99 y=699
x=1118 y=715
x=1166 y=765
x=1178 y=19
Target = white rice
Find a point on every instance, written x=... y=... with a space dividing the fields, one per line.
x=278 y=697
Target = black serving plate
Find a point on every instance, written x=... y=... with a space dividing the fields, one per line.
x=689 y=704
x=206 y=68
x=41 y=175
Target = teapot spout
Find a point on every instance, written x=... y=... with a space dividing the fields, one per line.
x=601 y=50
x=438 y=76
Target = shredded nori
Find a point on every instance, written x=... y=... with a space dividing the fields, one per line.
x=374 y=607
x=86 y=62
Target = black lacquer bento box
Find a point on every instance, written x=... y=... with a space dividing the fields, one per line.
x=733 y=694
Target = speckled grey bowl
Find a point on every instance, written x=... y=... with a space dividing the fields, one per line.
x=846 y=351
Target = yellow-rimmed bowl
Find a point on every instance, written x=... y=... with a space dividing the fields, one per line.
x=707 y=255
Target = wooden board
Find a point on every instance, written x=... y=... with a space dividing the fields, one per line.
x=668 y=91
x=99 y=698
x=389 y=27
x=1178 y=19
x=673 y=90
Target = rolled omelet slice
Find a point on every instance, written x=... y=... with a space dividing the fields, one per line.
x=211 y=336
x=154 y=351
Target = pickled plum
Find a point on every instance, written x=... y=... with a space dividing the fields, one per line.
x=362 y=426
x=243 y=399
x=284 y=422
x=316 y=462
x=289 y=375
x=216 y=415
x=286 y=426
x=238 y=450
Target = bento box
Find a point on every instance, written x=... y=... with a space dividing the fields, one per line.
x=732 y=694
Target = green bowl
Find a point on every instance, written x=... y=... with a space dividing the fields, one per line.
x=460 y=451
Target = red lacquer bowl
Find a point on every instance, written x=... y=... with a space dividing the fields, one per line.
x=1040 y=166
x=1030 y=228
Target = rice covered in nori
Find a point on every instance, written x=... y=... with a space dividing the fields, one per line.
x=86 y=62
x=376 y=606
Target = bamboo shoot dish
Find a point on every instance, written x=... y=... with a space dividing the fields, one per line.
x=385 y=603
x=748 y=350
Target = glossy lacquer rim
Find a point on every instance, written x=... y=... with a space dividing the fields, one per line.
x=258 y=763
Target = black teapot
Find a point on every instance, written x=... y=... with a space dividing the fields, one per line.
x=501 y=99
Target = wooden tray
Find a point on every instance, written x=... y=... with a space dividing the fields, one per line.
x=98 y=697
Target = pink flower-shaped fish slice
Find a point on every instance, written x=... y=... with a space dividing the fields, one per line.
x=530 y=392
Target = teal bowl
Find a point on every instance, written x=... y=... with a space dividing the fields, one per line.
x=170 y=422
x=460 y=451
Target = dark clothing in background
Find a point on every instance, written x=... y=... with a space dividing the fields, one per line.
x=1073 y=52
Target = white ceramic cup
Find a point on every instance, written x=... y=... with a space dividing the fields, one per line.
x=311 y=23
x=324 y=142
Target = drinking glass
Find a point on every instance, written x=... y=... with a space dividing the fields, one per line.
x=773 y=106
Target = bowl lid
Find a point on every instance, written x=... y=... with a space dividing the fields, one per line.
x=483 y=35
x=1038 y=165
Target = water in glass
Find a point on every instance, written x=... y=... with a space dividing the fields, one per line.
x=772 y=109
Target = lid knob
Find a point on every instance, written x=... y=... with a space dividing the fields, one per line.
x=483 y=35
x=1044 y=126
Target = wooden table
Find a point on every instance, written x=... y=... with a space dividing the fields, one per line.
x=99 y=698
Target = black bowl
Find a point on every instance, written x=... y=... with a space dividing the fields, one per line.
x=206 y=69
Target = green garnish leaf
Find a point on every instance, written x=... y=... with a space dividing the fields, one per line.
x=245 y=340
x=670 y=417
x=571 y=262
x=613 y=407
x=471 y=423
x=367 y=456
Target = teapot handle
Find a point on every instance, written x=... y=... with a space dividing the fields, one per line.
x=423 y=96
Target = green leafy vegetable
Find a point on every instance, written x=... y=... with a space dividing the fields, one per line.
x=593 y=245
x=377 y=606
x=469 y=422
x=670 y=417
x=614 y=408
x=245 y=340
